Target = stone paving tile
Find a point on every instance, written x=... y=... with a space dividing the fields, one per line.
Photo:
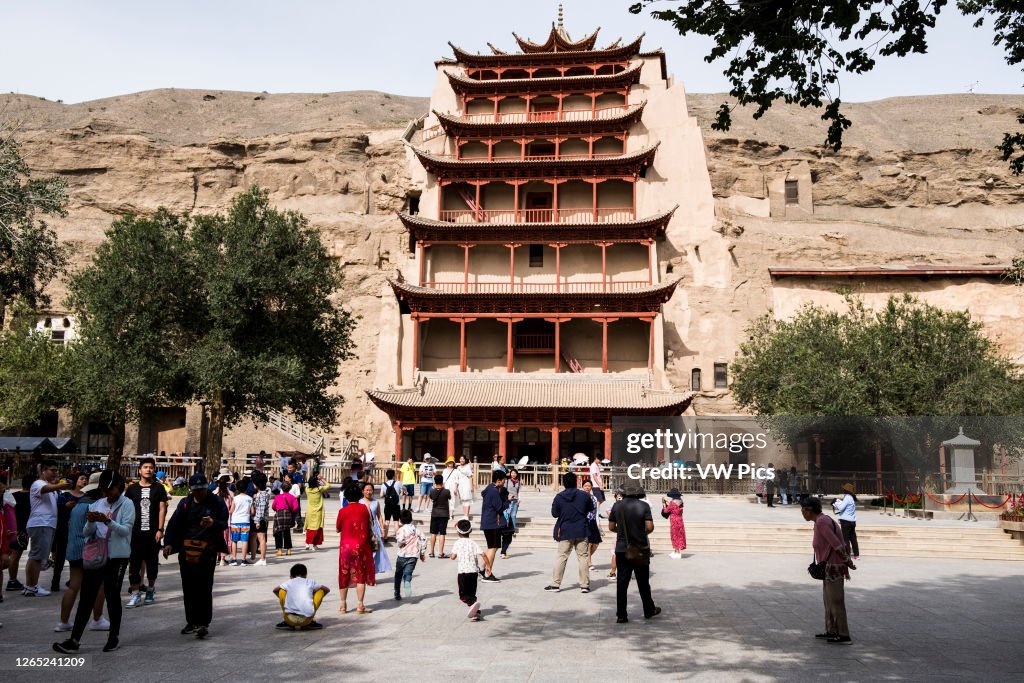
x=727 y=618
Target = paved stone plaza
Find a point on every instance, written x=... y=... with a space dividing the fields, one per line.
x=726 y=617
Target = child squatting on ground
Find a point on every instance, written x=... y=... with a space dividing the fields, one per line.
x=300 y=598
x=471 y=562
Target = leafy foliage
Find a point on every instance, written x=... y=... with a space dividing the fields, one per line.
x=30 y=371
x=796 y=51
x=30 y=255
x=234 y=311
x=867 y=371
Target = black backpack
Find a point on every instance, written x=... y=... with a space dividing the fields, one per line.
x=390 y=494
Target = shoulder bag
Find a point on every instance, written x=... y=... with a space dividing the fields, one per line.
x=96 y=550
x=635 y=554
x=817 y=570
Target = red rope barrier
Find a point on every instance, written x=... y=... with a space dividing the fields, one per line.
x=991 y=507
x=952 y=502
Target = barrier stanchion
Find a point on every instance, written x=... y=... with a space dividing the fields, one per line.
x=969 y=515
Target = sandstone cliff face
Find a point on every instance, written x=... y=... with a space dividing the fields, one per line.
x=914 y=184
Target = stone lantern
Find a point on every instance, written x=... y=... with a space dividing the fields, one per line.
x=963 y=448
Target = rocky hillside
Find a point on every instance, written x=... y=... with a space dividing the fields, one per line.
x=338 y=158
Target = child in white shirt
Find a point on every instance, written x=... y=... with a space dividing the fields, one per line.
x=412 y=547
x=300 y=598
x=471 y=560
x=241 y=524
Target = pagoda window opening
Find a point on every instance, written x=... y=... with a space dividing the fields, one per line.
x=580 y=71
x=695 y=379
x=547 y=72
x=577 y=103
x=538 y=207
x=544 y=108
x=506 y=149
x=533 y=335
x=541 y=150
x=610 y=99
x=509 y=74
x=608 y=69
x=792 y=192
x=536 y=255
x=478 y=106
x=609 y=146
x=412 y=203
x=721 y=375
x=474 y=149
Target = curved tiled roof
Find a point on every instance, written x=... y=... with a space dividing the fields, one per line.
x=542 y=390
x=620 y=164
x=558 y=39
x=648 y=298
x=611 y=53
x=462 y=85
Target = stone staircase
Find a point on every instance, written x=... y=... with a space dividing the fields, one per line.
x=924 y=541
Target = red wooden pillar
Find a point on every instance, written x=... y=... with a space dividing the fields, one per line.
x=415 y=343
x=502 y=442
x=462 y=344
x=476 y=209
x=604 y=265
x=510 y=351
x=593 y=184
x=558 y=344
x=512 y=265
x=650 y=351
x=495 y=109
x=450 y=446
x=604 y=345
x=634 y=197
x=608 y=442
x=651 y=262
x=554 y=455
x=398 y=442
x=515 y=202
x=465 y=267
x=554 y=199
x=557 y=246
x=420 y=257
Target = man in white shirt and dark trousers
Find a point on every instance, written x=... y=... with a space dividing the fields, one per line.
x=41 y=525
x=597 y=481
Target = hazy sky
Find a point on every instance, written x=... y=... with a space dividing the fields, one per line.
x=77 y=50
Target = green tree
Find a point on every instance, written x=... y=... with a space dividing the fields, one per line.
x=30 y=254
x=874 y=369
x=30 y=372
x=266 y=334
x=234 y=311
x=796 y=51
x=130 y=304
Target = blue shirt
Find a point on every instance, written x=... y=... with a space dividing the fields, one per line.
x=847 y=508
x=76 y=522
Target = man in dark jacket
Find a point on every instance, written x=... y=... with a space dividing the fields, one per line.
x=631 y=521
x=492 y=519
x=196 y=533
x=570 y=508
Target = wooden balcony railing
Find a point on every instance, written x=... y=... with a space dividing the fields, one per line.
x=533 y=157
x=616 y=214
x=593 y=287
x=534 y=343
x=565 y=115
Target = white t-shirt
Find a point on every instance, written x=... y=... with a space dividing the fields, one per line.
x=241 y=514
x=44 y=506
x=595 y=475
x=468 y=556
x=299 y=599
x=427 y=471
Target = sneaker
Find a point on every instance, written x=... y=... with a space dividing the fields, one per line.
x=856 y=557
x=62 y=627
x=68 y=647
x=314 y=626
x=504 y=556
x=41 y=592
x=552 y=588
x=15 y=585
x=188 y=630
x=284 y=626
x=674 y=555
x=30 y=591
x=491 y=579
x=622 y=620
x=150 y=596
x=611 y=574
x=101 y=624
x=242 y=563
x=202 y=632
x=112 y=644
x=474 y=610
x=224 y=563
x=656 y=612
x=839 y=639
x=288 y=553
x=397 y=596
x=135 y=600
x=308 y=548
x=585 y=589
x=315 y=548
x=260 y=563
x=280 y=553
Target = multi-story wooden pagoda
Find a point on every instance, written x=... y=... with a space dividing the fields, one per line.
x=532 y=313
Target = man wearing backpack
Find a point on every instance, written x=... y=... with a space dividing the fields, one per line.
x=392 y=508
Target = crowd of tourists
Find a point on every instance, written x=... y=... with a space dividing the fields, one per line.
x=99 y=527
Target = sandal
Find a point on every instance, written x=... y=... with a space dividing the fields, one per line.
x=363 y=610
x=343 y=608
x=430 y=555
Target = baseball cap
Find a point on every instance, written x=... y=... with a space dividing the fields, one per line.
x=198 y=481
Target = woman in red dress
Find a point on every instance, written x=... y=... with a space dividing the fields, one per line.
x=355 y=556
